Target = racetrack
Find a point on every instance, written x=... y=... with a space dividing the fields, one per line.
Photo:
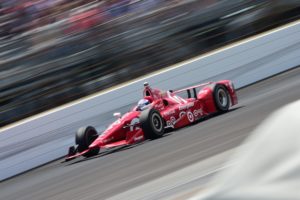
x=105 y=176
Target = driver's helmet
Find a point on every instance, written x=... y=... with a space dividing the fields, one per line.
x=143 y=104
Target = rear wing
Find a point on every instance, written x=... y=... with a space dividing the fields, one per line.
x=191 y=90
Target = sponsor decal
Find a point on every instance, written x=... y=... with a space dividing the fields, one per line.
x=198 y=112
x=181 y=114
x=190 y=116
x=171 y=112
x=172 y=121
x=138 y=138
x=169 y=124
x=187 y=106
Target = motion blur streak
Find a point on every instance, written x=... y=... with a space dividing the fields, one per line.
x=56 y=51
x=108 y=175
x=267 y=166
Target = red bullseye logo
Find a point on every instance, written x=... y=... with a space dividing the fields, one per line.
x=190 y=116
x=181 y=114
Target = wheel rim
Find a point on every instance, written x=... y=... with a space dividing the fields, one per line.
x=157 y=122
x=222 y=97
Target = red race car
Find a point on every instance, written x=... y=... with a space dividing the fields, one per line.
x=157 y=111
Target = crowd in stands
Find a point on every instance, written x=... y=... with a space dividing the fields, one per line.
x=19 y=16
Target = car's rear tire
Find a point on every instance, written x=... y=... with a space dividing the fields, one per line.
x=152 y=123
x=84 y=137
x=221 y=98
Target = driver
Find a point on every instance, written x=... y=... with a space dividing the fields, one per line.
x=144 y=103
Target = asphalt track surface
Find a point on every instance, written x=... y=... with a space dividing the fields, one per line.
x=109 y=174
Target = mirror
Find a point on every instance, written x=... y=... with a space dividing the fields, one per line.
x=117 y=115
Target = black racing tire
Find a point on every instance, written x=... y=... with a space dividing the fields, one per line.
x=152 y=123
x=84 y=137
x=221 y=98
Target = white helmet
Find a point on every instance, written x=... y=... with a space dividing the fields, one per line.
x=143 y=104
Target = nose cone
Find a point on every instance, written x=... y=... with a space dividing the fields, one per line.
x=93 y=145
x=97 y=143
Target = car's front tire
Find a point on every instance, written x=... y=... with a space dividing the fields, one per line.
x=152 y=124
x=84 y=137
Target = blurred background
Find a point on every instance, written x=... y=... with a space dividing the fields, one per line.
x=56 y=51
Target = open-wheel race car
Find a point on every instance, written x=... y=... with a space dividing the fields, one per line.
x=157 y=111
